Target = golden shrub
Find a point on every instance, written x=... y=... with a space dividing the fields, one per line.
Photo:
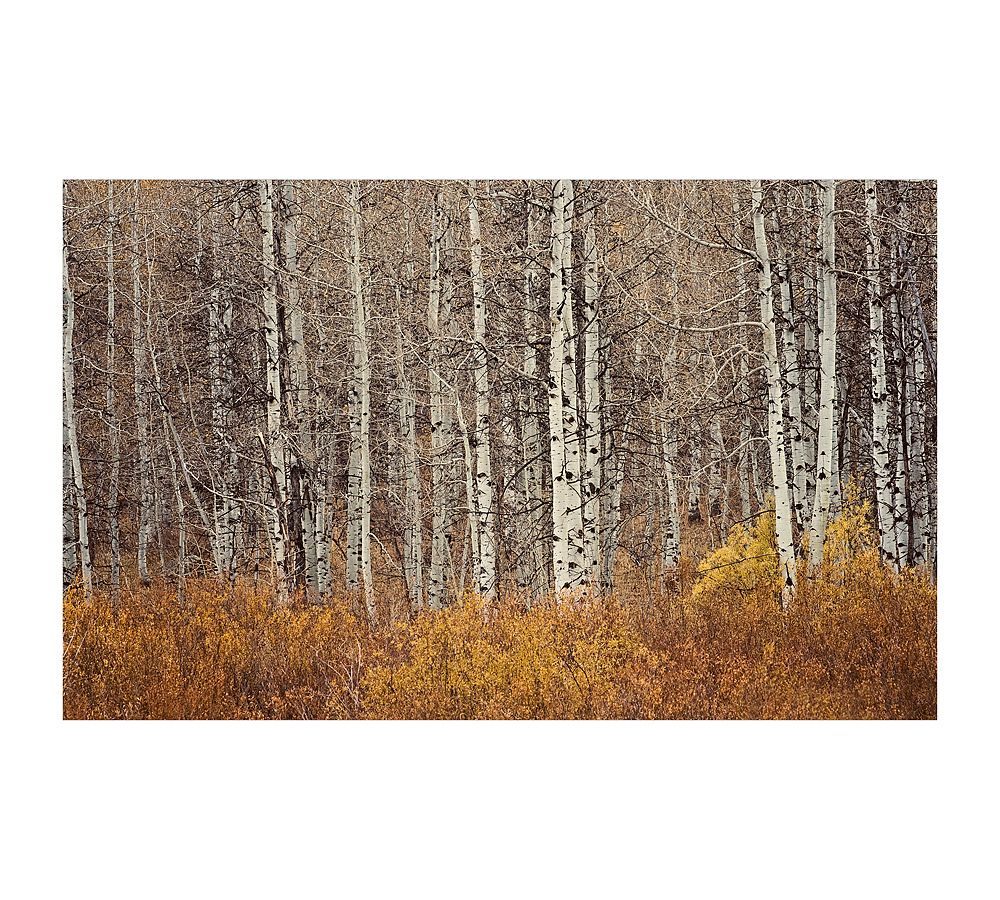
x=859 y=642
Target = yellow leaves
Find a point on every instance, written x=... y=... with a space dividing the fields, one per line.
x=861 y=644
x=746 y=563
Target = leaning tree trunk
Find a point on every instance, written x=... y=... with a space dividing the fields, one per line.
x=826 y=447
x=775 y=413
x=486 y=575
x=69 y=415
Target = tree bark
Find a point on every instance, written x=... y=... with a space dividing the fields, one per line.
x=486 y=575
x=879 y=386
x=275 y=445
x=69 y=415
x=111 y=413
x=775 y=414
x=826 y=447
x=361 y=499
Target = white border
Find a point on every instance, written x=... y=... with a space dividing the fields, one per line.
x=451 y=809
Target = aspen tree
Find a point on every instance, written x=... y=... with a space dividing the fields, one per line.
x=68 y=508
x=274 y=446
x=567 y=520
x=487 y=573
x=790 y=357
x=438 y=415
x=826 y=447
x=298 y=389
x=361 y=500
x=775 y=414
x=69 y=407
x=879 y=387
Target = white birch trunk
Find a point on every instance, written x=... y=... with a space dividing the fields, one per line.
x=775 y=414
x=440 y=428
x=486 y=574
x=879 y=386
x=275 y=449
x=69 y=507
x=361 y=510
x=69 y=414
x=567 y=520
x=790 y=355
x=670 y=526
x=298 y=392
x=826 y=448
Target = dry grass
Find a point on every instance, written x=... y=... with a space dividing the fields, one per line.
x=860 y=643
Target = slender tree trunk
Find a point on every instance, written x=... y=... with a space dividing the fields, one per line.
x=880 y=391
x=828 y=381
x=567 y=520
x=361 y=509
x=440 y=421
x=181 y=571
x=486 y=575
x=591 y=438
x=274 y=444
x=790 y=356
x=471 y=547
x=69 y=415
x=143 y=430
x=900 y=505
x=69 y=508
x=298 y=391
x=694 y=481
x=413 y=571
x=775 y=415
x=671 y=531
x=532 y=449
x=110 y=412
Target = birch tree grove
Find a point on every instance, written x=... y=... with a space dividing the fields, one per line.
x=364 y=391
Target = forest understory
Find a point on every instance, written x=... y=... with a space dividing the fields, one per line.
x=710 y=643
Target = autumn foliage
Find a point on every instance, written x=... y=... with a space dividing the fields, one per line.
x=860 y=642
